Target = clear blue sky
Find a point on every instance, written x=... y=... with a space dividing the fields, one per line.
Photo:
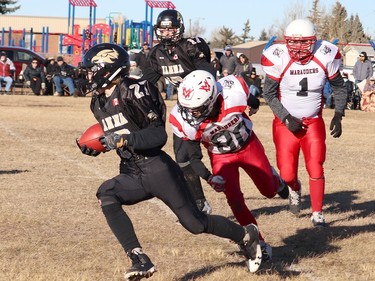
x=211 y=14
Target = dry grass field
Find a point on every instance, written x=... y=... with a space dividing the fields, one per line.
x=52 y=229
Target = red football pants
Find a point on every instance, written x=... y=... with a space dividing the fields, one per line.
x=311 y=141
x=253 y=160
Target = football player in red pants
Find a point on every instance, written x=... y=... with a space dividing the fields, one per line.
x=213 y=113
x=295 y=76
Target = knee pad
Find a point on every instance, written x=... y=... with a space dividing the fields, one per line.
x=108 y=200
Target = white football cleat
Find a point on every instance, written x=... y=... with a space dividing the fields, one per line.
x=250 y=246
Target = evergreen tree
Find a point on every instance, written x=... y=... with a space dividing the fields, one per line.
x=316 y=17
x=4 y=6
x=246 y=30
x=264 y=36
x=356 y=33
x=224 y=36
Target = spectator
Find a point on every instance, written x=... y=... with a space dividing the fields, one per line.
x=228 y=60
x=7 y=70
x=141 y=58
x=328 y=95
x=161 y=84
x=64 y=76
x=215 y=63
x=134 y=71
x=349 y=90
x=35 y=77
x=255 y=84
x=362 y=68
x=368 y=96
x=243 y=68
x=225 y=72
x=170 y=91
x=52 y=69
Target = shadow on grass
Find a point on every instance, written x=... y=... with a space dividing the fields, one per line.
x=307 y=242
x=337 y=202
x=13 y=172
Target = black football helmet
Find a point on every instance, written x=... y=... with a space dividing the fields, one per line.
x=169 y=20
x=103 y=63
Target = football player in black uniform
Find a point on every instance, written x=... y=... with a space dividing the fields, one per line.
x=174 y=58
x=132 y=115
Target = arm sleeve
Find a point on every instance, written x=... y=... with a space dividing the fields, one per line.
x=150 y=75
x=340 y=93
x=199 y=52
x=194 y=152
x=149 y=115
x=26 y=74
x=270 y=93
x=148 y=138
x=11 y=66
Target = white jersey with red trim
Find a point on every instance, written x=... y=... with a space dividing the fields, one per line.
x=301 y=86
x=230 y=130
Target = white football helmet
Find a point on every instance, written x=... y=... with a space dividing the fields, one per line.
x=197 y=94
x=300 y=39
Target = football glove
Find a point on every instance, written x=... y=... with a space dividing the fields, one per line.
x=292 y=123
x=217 y=183
x=335 y=125
x=88 y=151
x=113 y=141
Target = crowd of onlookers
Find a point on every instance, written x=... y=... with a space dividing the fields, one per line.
x=361 y=91
x=49 y=77
x=56 y=77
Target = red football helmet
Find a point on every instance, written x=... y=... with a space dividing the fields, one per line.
x=300 y=39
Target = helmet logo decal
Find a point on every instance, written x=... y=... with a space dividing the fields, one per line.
x=206 y=87
x=105 y=56
x=186 y=92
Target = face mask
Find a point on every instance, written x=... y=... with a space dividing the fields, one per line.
x=345 y=79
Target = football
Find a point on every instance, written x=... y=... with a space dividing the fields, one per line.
x=91 y=136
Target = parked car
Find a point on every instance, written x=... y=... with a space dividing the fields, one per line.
x=21 y=57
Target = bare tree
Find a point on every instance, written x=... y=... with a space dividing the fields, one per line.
x=4 y=6
x=196 y=29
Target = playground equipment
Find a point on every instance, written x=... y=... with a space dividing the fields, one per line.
x=25 y=39
x=80 y=38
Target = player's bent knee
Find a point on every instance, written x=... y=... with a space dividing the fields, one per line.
x=194 y=225
x=317 y=178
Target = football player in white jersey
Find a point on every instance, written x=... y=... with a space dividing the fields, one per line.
x=295 y=76
x=213 y=113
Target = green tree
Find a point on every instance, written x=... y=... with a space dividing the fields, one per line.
x=317 y=16
x=246 y=30
x=4 y=6
x=224 y=36
x=264 y=36
x=356 y=32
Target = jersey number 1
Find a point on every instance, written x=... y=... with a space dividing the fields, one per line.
x=303 y=84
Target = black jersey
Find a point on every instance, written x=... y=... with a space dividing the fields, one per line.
x=187 y=55
x=135 y=109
